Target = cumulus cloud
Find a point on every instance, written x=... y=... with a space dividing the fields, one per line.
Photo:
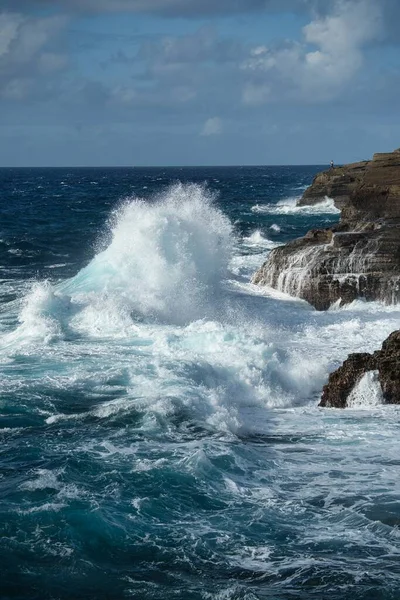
x=212 y=126
x=154 y=86
x=340 y=39
x=328 y=57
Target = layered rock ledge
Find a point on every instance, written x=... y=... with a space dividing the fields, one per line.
x=357 y=258
x=385 y=363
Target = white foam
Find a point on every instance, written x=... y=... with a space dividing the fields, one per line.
x=40 y=317
x=45 y=480
x=57 y=266
x=289 y=206
x=247 y=367
x=364 y=308
x=246 y=265
x=157 y=325
x=258 y=240
x=166 y=259
x=367 y=393
x=275 y=227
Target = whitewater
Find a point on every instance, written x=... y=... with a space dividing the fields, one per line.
x=160 y=430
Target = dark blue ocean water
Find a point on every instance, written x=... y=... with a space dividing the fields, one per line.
x=160 y=436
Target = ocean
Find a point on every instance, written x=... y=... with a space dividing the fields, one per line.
x=159 y=422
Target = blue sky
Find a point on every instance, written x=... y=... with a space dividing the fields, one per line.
x=180 y=82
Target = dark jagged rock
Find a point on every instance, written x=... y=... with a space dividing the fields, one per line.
x=342 y=381
x=357 y=258
x=386 y=361
x=389 y=368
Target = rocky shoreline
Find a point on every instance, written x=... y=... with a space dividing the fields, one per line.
x=357 y=258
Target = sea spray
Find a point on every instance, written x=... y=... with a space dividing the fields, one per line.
x=165 y=260
x=41 y=317
x=258 y=240
x=153 y=459
x=367 y=393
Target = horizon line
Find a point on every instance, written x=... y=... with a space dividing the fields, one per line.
x=163 y=166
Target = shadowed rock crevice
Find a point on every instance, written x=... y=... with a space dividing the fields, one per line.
x=357 y=258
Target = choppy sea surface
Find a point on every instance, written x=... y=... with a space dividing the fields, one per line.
x=159 y=430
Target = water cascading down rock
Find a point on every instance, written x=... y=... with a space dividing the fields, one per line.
x=385 y=363
x=357 y=258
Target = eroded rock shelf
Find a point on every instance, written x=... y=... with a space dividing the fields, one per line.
x=357 y=258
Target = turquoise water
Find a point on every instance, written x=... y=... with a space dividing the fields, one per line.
x=160 y=435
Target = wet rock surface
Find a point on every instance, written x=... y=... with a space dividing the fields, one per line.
x=357 y=258
x=385 y=361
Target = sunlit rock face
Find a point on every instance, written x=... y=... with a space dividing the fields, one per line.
x=357 y=258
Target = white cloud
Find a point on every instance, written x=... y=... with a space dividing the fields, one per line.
x=329 y=56
x=212 y=126
x=340 y=39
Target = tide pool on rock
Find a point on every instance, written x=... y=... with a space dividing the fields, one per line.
x=159 y=422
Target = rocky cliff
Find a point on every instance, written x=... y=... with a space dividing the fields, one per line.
x=385 y=362
x=357 y=258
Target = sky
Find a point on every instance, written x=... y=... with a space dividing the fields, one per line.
x=197 y=82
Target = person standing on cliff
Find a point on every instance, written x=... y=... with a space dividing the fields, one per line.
x=332 y=164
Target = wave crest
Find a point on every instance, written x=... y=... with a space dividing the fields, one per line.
x=165 y=260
